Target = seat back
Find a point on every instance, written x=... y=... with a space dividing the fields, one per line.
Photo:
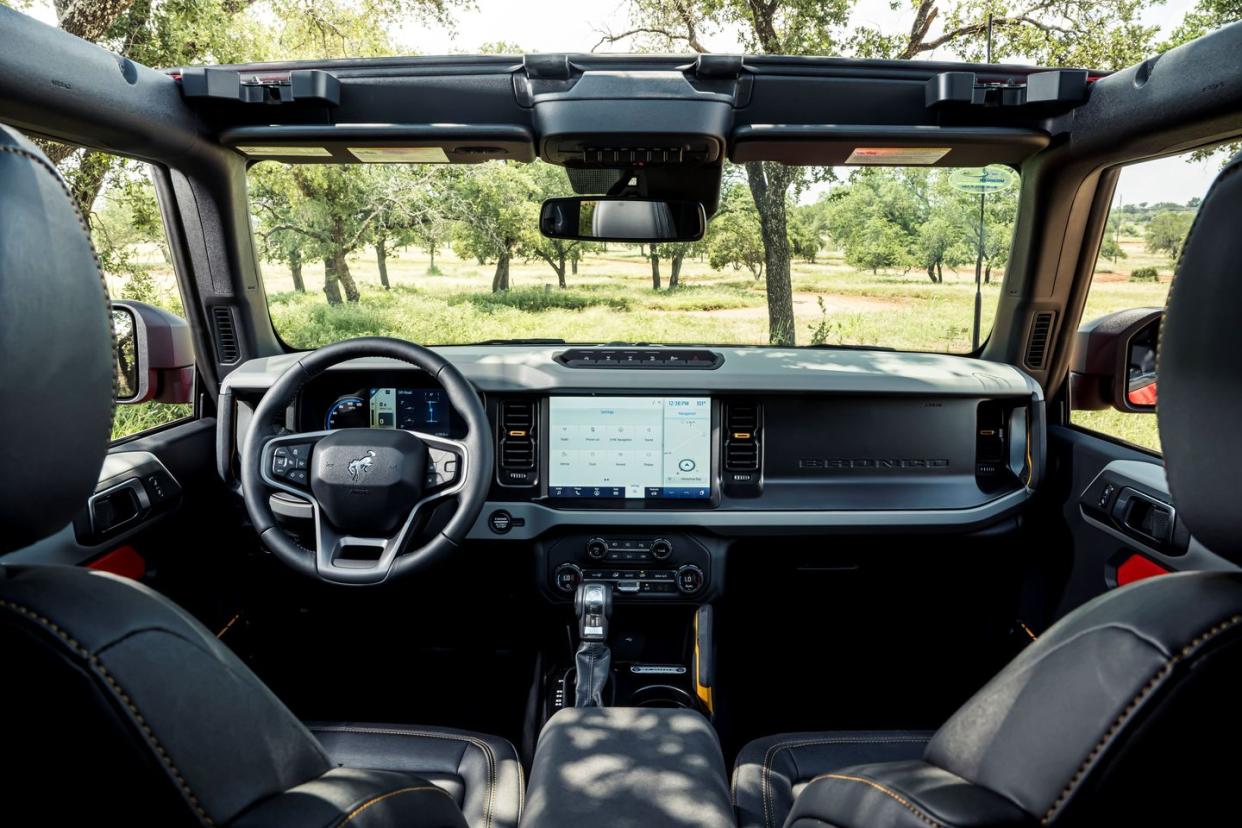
x=1124 y=712
x=119 y=707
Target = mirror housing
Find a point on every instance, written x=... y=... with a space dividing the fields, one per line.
x=154 y=355
x=1114 y=363
x=604 y=219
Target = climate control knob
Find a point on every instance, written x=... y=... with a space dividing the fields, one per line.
x=661 y=549
x=567 y=577
x=596 y=548
x=689 y=579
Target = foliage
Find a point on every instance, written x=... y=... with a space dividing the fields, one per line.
x=1111 y=249
x=1167 y=231
x=1144 y=274
x=912 y=217
x=735 y=238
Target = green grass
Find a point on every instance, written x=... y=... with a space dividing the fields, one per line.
x=610 y=299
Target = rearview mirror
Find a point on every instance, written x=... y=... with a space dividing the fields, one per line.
x=1115 y=362
x=622 y=220
x=154 y=355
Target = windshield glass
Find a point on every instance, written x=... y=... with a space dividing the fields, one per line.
x=437 y=254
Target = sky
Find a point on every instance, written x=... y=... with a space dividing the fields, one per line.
x=557 y=26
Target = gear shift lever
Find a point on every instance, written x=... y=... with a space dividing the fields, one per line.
x=593 y=605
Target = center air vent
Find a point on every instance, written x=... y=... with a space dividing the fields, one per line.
x=743 y=463
x=1037 y=344
x=518 y=444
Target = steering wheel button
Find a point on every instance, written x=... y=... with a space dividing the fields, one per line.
x=297 y=476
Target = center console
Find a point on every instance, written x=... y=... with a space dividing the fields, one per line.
x=628 y=766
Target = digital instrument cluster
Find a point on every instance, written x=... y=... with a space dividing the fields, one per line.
x=413 y=409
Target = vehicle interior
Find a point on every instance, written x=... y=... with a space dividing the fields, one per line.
x=548 y=581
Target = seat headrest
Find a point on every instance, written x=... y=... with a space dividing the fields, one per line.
x=56 y=350
x=1200 y=370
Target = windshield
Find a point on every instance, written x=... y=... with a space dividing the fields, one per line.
x=438 y=254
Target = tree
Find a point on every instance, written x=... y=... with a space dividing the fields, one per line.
x=1111 y=250
x=676 y=253
x=550 y=181
x=1103 y=34
x=496 y=206
x=806 y=230
x=735 y=238
x=186 y=32
x=1167 y=231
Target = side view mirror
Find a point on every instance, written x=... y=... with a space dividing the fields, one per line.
x=1114 y=362
x=622 y=220
x=154 y=355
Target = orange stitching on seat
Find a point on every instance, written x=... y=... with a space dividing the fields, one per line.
x=481 y=745
x=1134 y=704
x=887 y=792
x=382 y=797
x=770 y=757
x=120 y=693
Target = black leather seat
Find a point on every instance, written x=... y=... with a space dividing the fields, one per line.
x=1126 y=711
x=770 y=773
x=120 y=708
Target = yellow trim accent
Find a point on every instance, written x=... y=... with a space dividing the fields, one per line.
x=704 y=693
x=741 y=435
x=1027 y=630
x=517 y=433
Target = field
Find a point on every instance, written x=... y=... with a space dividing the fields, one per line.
x=611 y=299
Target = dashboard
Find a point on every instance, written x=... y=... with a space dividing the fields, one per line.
x=729 y=441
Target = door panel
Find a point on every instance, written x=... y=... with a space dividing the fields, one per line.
x=1112 y=507
x=186 y=527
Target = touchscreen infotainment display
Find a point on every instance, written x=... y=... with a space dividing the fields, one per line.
x=629 y=447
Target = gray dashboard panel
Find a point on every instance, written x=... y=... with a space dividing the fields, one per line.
x=948 y=383
x=500 y=368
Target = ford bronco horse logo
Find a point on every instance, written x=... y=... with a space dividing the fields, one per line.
x=361 y=466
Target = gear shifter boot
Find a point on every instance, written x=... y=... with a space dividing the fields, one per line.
x=594 y=665
x=592 y=605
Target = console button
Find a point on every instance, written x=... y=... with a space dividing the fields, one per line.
x=689 y=579
x=567 y=577
x=596 y=548
x=661 y=548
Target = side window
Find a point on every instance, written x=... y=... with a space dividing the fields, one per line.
x=118 y=197
x=1153 y=207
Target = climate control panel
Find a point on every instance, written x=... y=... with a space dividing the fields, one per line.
x=657 y=567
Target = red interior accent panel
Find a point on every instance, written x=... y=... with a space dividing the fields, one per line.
x=124 y=561
x=1136 y=568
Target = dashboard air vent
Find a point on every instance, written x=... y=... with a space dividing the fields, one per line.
x=518 y=443
x=742 y=431
x=1037 y=345
x=226 y=334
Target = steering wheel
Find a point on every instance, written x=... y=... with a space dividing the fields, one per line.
x=370 y=488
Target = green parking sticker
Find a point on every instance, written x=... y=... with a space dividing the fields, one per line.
x=993 y=178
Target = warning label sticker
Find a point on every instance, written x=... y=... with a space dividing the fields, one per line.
x=897 y=156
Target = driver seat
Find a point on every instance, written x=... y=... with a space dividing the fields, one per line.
x=121 y=707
